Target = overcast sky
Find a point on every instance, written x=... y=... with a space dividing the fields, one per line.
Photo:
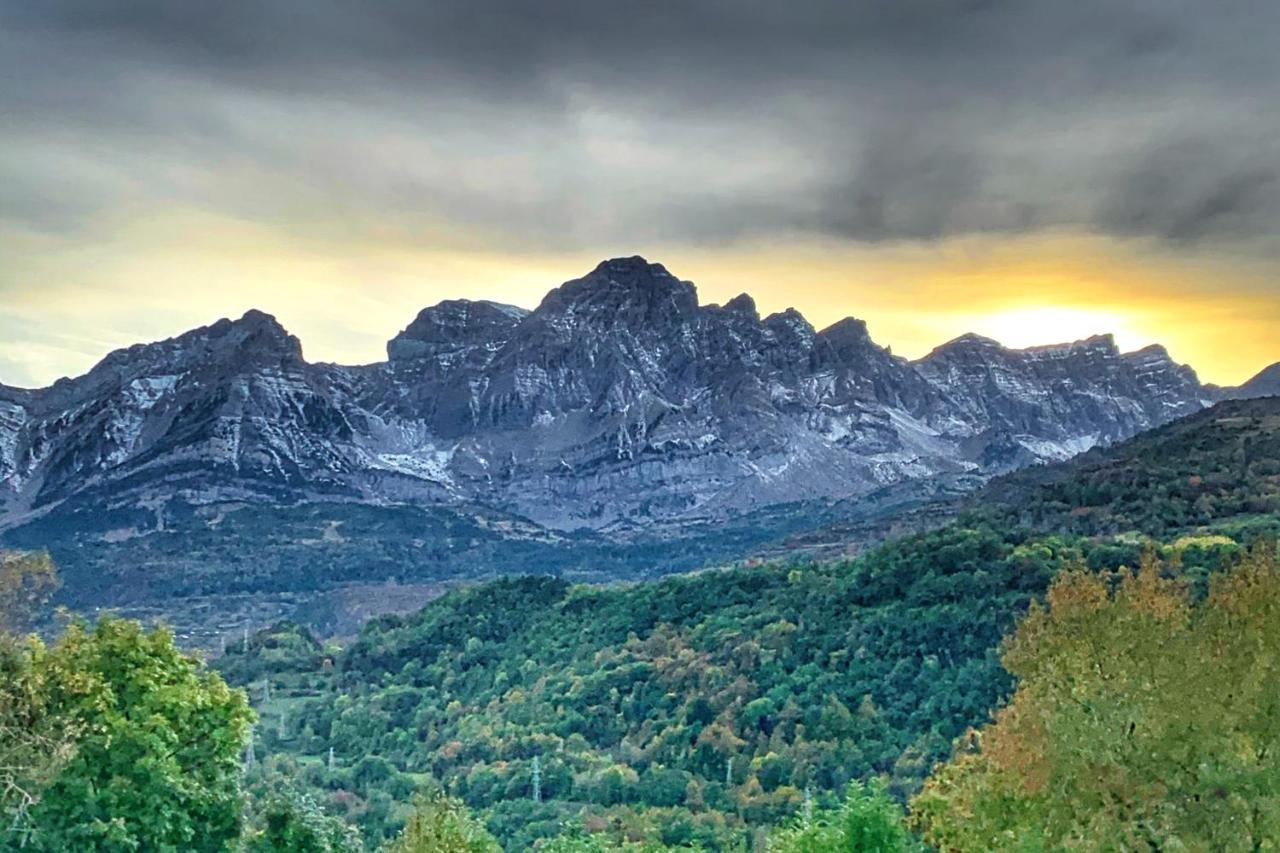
x=929 y=166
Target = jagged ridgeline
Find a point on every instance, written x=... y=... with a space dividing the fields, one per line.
x=697 y=708
x=619 y=429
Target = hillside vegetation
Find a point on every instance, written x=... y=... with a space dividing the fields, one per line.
x=1218 y=469
x=689 y=710
x=211 y=570
x=699 y=708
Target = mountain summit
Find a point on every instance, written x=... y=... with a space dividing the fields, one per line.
x=619 y=400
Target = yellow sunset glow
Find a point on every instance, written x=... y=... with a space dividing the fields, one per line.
x=1027 y=327
x=344 y=295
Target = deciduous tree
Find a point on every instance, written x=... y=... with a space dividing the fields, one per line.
x=157 y=750
x=1141 y=721
x=441 y=824
x=868 y=821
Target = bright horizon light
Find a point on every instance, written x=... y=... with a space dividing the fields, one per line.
x=70 y=305
x=1050 y=324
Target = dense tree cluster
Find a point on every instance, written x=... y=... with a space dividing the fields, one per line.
x=112 y=739
x=693 y=710
x=27 y=582
x=1141 y=717
x=868 y=821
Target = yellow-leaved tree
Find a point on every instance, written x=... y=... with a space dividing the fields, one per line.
x=1141 y=721
x=442 y=824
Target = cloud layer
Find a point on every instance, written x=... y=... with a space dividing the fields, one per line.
x=569 y=123
x=343 y=164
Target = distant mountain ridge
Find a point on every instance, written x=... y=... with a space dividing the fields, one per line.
x=619 y=400
x=1218 y=469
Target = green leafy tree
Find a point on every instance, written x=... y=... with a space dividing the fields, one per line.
x=576 y=840
x=157 y=752
x=442 y=824
x=35 y=744
x=294 y=823
x=1141 y=722
x=868 y=821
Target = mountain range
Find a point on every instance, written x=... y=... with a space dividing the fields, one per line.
x=618 y=407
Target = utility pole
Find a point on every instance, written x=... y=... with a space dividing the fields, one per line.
x=806 y=810
x=728 y=773
x=537 y=779
x=330 y=759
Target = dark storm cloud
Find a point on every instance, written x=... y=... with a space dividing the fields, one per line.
x=1194 y=189
x=570 y=123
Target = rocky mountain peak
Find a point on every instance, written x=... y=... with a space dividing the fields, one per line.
x=848 y=331
x=622 y=291
x=455 y=323
x=743 y=304
x=258 y=319
x=1105 y=342
x=1154 y=365
x=256 y=333
x=1265 y=384
x=1153 y=358
x=790 y=325
x=1095 y=346
x=968 y=343
x=1154 y=355
x=849 y=342
x=618 y=399
x=634 y=265
x=226 y=346
x=972 y=348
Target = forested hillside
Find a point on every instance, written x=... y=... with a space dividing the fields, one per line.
x=700 y=708
x=689 y=709
x=1214 y=468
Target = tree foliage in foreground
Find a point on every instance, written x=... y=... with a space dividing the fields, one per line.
x=156 y=760
x=868 y=821
x=293 y=823
x=34 y=743
x=441 y=824
x=1141 y=720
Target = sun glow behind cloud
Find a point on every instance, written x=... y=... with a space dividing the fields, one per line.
x=1033 y=326
x=1216 y=313
x=344 y=294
